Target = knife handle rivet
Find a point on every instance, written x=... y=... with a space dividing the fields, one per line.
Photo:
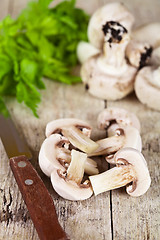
x=22 y=164
x=28 y=181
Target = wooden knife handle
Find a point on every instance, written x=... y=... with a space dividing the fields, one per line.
x=38 y=200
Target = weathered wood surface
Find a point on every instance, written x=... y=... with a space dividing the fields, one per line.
x=108 y=216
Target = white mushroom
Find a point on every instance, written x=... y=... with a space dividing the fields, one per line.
x=130 y=171
x=55 y=154
x=125 y=137
x=112 y=118
x=86 y=50
x=148 y=33
x=110 y=12
x=109 y=76
x=68 y=183
x=75 y=130
x=138 y=54
x=147 y=87
x=155 y=58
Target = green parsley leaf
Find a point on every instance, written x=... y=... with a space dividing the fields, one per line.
x=40 y=42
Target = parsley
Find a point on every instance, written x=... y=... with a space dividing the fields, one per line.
x=41 y=42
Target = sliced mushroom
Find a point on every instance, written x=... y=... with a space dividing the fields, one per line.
x=112 y=118
x=147 y=87
x=48 y=155
x=110 y=12
x=86 y=50
x=55 y=154
x=148 y=33
x=75 y=130
x=130 y=171
x=68 y=183
x=125 y=137
x=108 y=76
x=138 y=53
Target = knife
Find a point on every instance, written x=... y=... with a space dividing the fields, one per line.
x=36 y=196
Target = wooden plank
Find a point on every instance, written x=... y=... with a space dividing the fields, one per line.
x=139 y=218
x=89 y=219
x=4 y=8
x=81 y=220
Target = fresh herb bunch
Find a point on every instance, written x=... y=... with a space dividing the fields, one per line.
x=41 y=42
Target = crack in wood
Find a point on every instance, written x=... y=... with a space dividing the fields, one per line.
x=110 y=196
x=7 y=215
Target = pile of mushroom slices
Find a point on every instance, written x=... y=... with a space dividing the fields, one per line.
x=115 y=58
x=65 y=156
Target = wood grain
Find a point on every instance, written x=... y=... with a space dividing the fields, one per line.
x=108 y=216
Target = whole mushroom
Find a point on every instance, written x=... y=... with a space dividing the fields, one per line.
x=108 y=75
x=138 y=53
x=131 y=171
x=147 y=86
x=148 y=33
x=85 y=50
x=155 y=58
x=110 y=12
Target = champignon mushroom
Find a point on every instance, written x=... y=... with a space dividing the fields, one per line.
x=108 y=75
x=147 y=87
x=75 y=130
x=86 y=50
x=130 y=171
x=112 y=118
x=110 y=12
x=55 y=154
x=148 y=33
x=68 y=183
x=155 y=58
x=125 y=137
x=138 y=54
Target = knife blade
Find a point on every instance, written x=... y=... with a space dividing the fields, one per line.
x=36 y=196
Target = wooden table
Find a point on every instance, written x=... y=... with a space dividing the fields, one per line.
x=111 y=215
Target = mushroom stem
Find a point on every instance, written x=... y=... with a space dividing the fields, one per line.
x=116 y=39
x=79 y=140
x=90 y=166
x=75 y=171
x=109 y=145
x=112 y=179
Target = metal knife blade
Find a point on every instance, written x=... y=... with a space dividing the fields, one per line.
x=13 y=144
x=36 y=196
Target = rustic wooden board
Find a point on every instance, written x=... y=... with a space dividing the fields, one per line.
x=139 y=218
x=108 y=216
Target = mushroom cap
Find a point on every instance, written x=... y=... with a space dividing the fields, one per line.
x=104 y=85
x=148 y=33
x=118 y=117
x=146 y=92
x=138 y=53
x=110 y=12
x=155 y=58
x=142 y=177
x=47 y=156
x=86 y=50
x=132 y=139
x=69 y=189
x=55 y=126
